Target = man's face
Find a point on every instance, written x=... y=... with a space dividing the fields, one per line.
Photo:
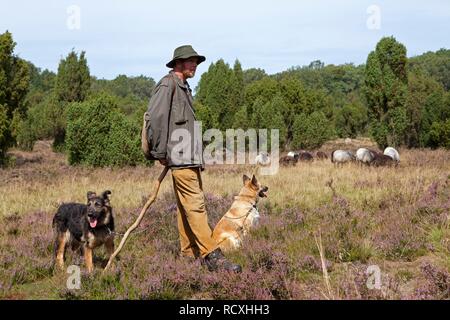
x=188 y=67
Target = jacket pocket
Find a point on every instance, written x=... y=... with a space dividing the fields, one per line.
x=179 y=113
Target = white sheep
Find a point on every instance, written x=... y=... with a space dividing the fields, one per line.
x=293 y=154
x=364 y=155
x=341 y=156
x=263 y=159
x=391 y=152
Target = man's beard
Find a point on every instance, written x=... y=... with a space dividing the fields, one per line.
x=189 y=74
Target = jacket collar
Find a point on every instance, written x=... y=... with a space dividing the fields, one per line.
x=180 y=83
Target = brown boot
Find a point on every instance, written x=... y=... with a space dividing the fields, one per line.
x=217 y=261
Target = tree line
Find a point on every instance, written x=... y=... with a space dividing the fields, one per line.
x=396 y=100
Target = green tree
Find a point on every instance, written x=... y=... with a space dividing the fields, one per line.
x=435 y=111
x=434 y=64
x=43 y=121
x=139 y=87
x=206 y=116
x=217 y=90
x=271 y=117
x=237 y=88
x=73 y=82
x=241 y=119
x=386 y=88
x=351 y=120
x=424 y=99
x=311 y=131
x=266 y=89
x=14 y=83
x=252 y=75
x=41 y=85
x=4 y=134
x=439 y=134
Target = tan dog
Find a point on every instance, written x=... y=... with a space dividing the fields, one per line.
x=241 y=217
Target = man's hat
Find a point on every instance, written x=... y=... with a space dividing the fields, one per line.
x=184 y=52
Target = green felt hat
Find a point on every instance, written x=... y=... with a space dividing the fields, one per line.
x=184 y=52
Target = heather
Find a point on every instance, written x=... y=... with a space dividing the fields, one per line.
x=317 y=218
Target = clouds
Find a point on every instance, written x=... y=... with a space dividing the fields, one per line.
x=138 y=37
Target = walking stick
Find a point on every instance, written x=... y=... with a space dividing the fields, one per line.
x=149 y=202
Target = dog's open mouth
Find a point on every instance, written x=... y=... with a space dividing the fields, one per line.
x=92 y=222
x=263 y=193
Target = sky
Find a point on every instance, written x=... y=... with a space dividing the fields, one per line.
x=137 y=37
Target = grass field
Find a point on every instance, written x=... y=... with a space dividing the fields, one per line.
x=393 y=218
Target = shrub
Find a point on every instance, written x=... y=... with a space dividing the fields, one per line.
x=43 y=121
x=99 y=135
x=439 y=135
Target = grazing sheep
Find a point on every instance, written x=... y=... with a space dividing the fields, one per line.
x=341 y=156
x=286 y=161
x=305 y=156
x=292 y=154
x=263 y=159
x=391 y=152
x=365 y=156
x=382 y=160
x=321 y=155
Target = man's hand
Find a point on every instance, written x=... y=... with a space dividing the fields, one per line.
x=164 y=162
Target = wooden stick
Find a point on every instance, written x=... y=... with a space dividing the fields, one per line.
x=149 y=202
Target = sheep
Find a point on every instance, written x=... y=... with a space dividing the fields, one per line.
x=292 y=154
x=341 y=156
x=365 y=156
x=391 y=152
x=321 y=155
x=382 y=160
x=287 y=160
x=263 y=159
x=305 y=156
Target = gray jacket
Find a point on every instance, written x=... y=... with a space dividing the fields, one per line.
x=172 y=115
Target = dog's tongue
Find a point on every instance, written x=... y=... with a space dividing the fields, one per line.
x=93 y=223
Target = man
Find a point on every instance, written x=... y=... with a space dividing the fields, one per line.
x=176 y=142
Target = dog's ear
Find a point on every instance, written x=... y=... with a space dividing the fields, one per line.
x=105 y=196
x=254 y=181
x=245 y=179
x=90 y=195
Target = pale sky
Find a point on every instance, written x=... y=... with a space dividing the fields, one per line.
x=138 y=37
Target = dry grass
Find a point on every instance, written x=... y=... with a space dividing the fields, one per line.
x=43 y=184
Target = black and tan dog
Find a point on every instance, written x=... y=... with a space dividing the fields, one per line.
x=84 y=227
x=241 y=217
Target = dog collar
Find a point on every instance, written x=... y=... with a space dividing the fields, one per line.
x=252 y=203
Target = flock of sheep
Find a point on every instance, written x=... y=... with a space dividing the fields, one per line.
x=389 y=157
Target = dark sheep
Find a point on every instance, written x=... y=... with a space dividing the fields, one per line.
x=288 y=161
x=321 y=155
x=305 y=156
x=381 y=160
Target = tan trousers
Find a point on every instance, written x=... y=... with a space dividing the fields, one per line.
x=195 y=234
